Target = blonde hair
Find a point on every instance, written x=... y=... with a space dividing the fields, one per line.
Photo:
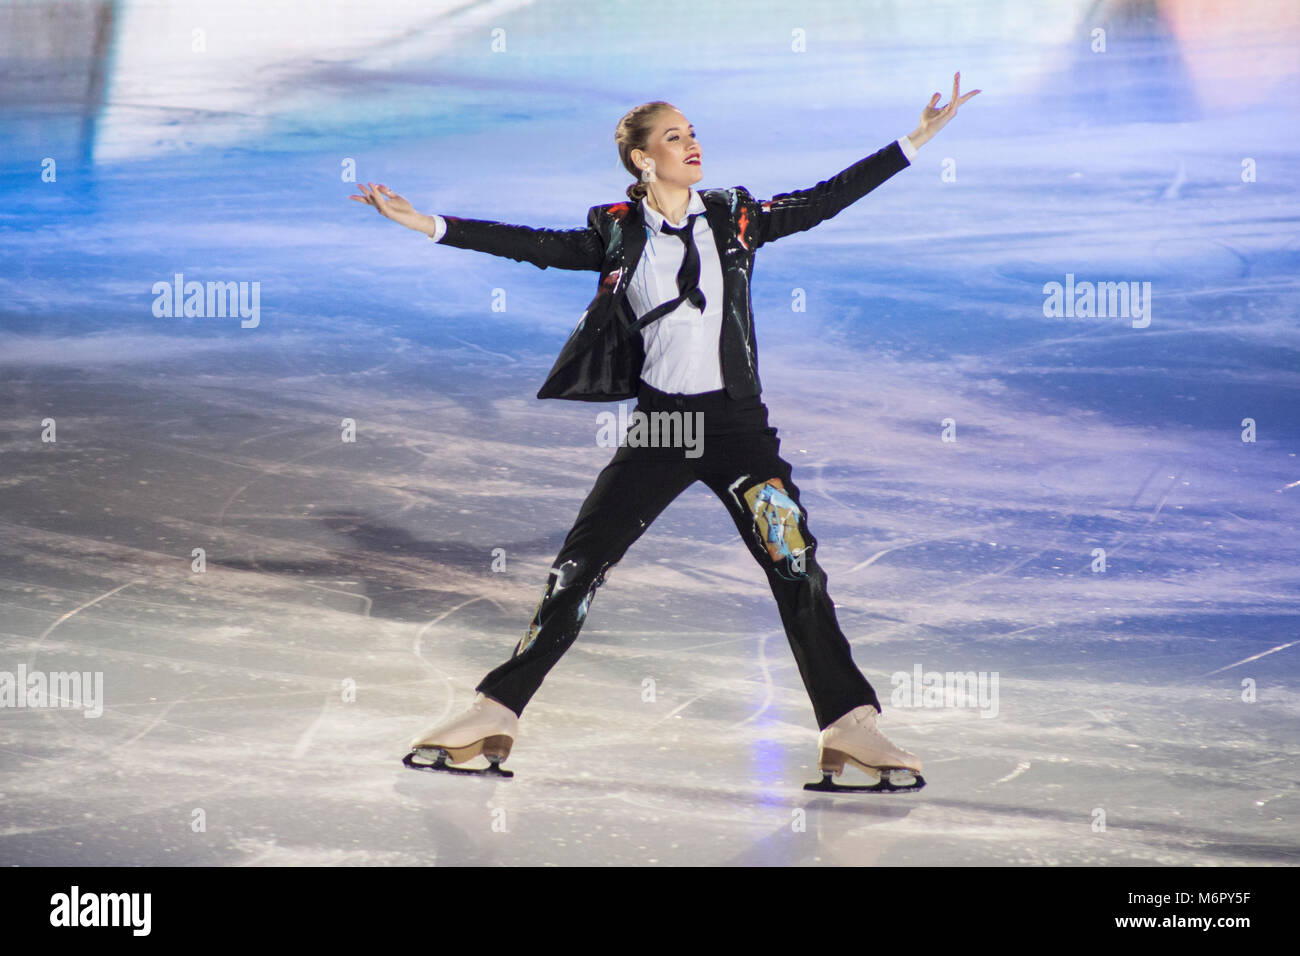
x=633 y=132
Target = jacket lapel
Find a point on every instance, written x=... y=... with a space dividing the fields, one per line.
x=720 y=221
x=629 y=245
x=602 y=359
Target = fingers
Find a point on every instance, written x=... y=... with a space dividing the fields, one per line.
x=952 y=103
x=936 y=119
x=380 y=204
x=372 y=196
x=957 y=99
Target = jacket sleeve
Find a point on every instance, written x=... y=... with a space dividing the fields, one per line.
x=802 y=209
x=581 y=249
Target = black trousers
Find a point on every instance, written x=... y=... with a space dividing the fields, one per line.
x=741 y=464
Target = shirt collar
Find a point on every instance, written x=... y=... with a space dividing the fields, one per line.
x=655 y=221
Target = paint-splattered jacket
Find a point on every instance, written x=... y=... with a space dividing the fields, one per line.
x=601 y=362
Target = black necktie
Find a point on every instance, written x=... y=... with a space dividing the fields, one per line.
x=688 y=276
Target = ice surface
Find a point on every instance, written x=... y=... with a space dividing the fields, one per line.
x=335 y=565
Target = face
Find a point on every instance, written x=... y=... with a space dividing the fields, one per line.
x=674 y=151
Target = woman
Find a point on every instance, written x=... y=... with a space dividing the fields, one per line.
x=671 y=324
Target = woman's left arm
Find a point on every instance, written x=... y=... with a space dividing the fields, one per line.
x=791 y=212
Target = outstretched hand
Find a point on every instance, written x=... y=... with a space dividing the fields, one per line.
x=391 y=206
x=934 y=119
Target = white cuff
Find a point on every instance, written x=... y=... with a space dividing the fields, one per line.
x=439 y=228
x=908 y=149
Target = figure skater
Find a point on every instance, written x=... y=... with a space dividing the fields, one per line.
x=671 y=324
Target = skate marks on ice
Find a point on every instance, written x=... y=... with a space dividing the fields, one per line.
x=1253 y=657
x=711 y=774
x=1173 y=777
x=428 y=631
x=689 y=779
x=223 y=689
x=1020 y=768
x=1091 y=738
x=1162 y=780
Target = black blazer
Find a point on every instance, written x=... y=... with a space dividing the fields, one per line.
x=602 y=360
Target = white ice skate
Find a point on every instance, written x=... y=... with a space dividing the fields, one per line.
x=855 y=739
x=487 y=728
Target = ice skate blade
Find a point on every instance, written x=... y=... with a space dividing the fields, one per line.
x=441 y=766
x=495 y=748
x=884 y=785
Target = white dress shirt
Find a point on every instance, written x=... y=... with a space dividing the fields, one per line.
x=681 y=348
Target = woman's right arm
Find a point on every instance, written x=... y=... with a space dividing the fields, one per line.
x=579 y=249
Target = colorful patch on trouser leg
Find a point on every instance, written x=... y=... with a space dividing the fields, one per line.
x=591 y=592
x=560 y=578
x=776 y=520
x=534 y=627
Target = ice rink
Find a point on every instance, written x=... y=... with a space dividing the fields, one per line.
x=353 y=593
